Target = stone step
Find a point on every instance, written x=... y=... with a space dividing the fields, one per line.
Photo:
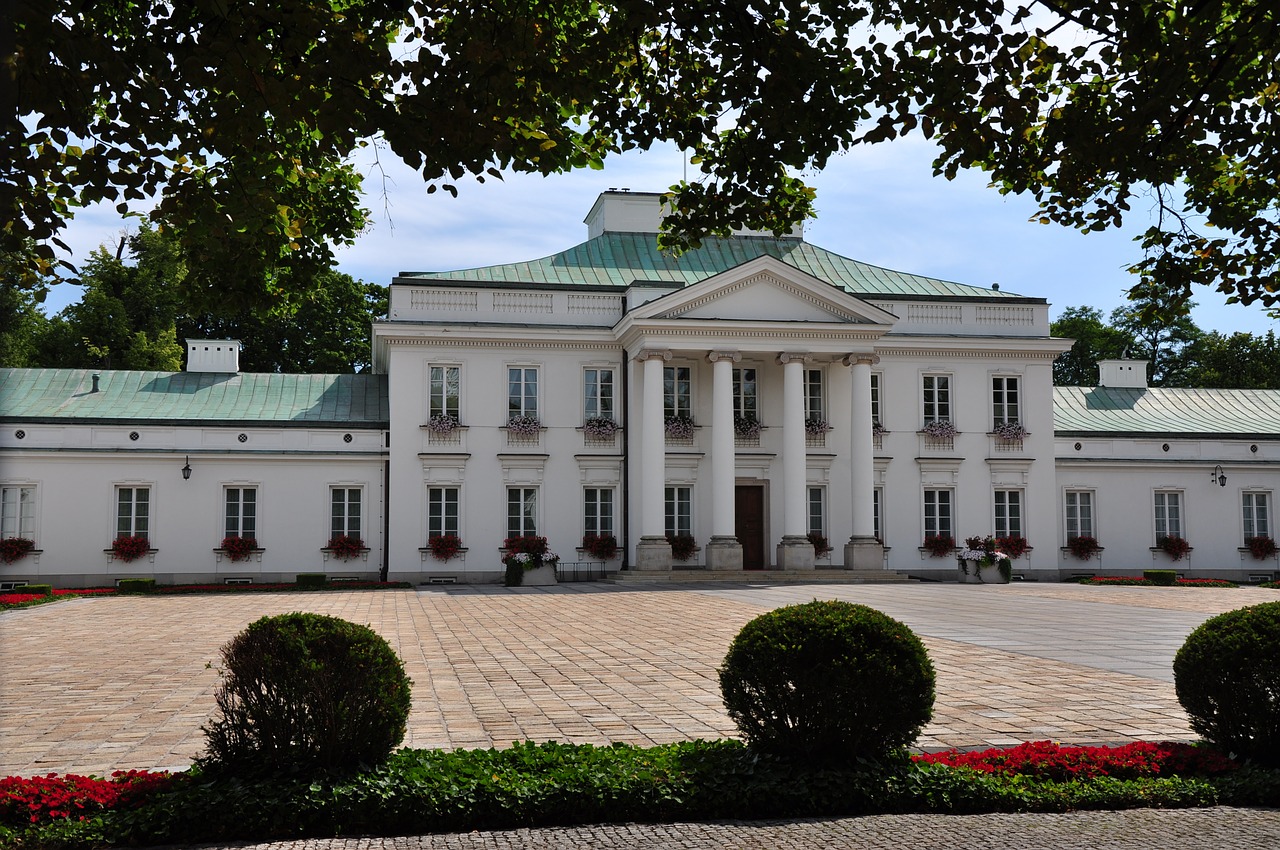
x=757 y=576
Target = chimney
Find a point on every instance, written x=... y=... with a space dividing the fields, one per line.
x=213 y=355
x=95 y=377
x=1128 y=374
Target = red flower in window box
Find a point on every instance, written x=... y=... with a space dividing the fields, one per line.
x=345 y=546
x=239 y=548
x=1083 y=547
x=1014 y=547
x=821 y=547
x=1259 y=547
x=602 y=546
x=127 y=548
x=15 y=549
x=444 y=546
x=940 y=547
x=1175 y=547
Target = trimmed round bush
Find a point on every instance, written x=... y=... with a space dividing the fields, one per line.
x=827 y=682
x=1227 y=678
x=309 y=694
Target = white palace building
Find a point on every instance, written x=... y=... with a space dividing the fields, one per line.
x=755 y=394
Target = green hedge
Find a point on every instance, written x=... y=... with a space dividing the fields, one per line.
x=1160 y=577
x=38 y=589
x=135 y=585
x=311 y=579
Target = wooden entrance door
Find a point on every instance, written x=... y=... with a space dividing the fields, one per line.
x=749 y=524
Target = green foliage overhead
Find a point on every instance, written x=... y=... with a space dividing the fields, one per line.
x=242 y=116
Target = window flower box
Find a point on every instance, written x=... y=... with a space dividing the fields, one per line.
x=821 y=546
x=1176 y=548
x=13 y=549
x=1010 y=432
x=444 y=547
x=443 y=424
x=601 y=428
x=1083 y=547
x=939 y=546
x=683 y=546
x=602 y=547
x=679 y=427
x=345 y=547
x=1260 y=548
x=129 y=548
x=237 y=549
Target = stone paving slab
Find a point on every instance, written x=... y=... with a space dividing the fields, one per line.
x=93 y=685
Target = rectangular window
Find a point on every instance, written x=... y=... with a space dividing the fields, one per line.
x=937 y=514
x=522 y=392
x=677 y=391
x=133 y=511
x=345 y=512
x=1079 y=508
x=1168 y=507
x=1257 y=515
x=877 y=513
x=813 y=397
x=442 y=512
x=875 y=398
x=445 y=389
x=522 y=511
x=818 y=510
x=18 y=512
x=679 y=510
x=597 y=394
x=597 y=511
x=937 y=398
x=745 y=399
x=1005 y=407
x=241 y=513
x=1008 y=513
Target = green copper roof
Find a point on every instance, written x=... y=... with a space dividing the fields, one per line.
x=188 y=398
x=620 y=259
x=1154 y=411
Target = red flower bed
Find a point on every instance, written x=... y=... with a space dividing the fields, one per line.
x=1136 y=581
x=1047 y=760
x=47 y=798
x=19 y=598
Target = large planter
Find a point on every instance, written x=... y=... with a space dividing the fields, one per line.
x=975 y=572
x=539 y=576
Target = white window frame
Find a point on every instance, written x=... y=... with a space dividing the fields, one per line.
x=18 y=511
x=346 y=517
x=935 y=397
x=1255 y=506
x=943 y=512
x=1008 y=510
x=877 y=384
x=674 y=402
x=597 y=403
x=1006 y=399
x=1079 y=510
x=746 y=393
x=440 y=499
x=815 y=395
x=817 y=510
x=1168 y=510
x=598 y=511
x=524 y=383
x=678 y=509
x=523 y=522
x=132 y=525
x=240 y=523
x=877 y=513
x=441 y=403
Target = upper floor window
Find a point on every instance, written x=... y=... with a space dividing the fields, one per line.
x=876 y=415
x=345 y=512
x=937 y=398
x=18 y=512
x=133 y=512
x=814 y=406
x=1257 y=514
x=1168 y=511
x=1005 y=400
x=241 y=514
x=444 y=390
x=1078 y=505
x=746 y=401
x=522 y=392
x=677 y=391
x=597 y=394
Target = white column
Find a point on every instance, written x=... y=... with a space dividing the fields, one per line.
x=863 y=551
x=724 y=551
x=795 y=551
x=652 y=550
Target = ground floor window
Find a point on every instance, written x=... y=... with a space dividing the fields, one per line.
x=18 y=512
x=877 y=513
x=938 y=518
x=442 y=512
x=1168 y=511
x=522 y=511
x=1257 y=519
x=133 y=512
x=679 y=511
x=1078 y=505
x=818 y=510
x=241 y=512
x=345 y=511
x=1008 y=513
x=597 y=512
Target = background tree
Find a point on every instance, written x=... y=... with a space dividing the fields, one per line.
x=245 y=133
x=1238 y=361
x=1094 y=340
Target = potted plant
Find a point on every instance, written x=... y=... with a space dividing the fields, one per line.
x=878 y=430
x=15 y=549
x=344 y=546
x=982 y=561
x=1175 y=547
x=1260 y=547
x=129 y=548
x=600 y=546
x=528 y=561
x=443 y=424
x=524 y=426
x=940 y=429
x=683 y=546
x=444 y=546
x=600 y=427
x=1010 y=432
x=939 y=546
x=1014 y=547
x=679 y=427
x=1083 y=547
x=816 y=426
x=747 y=427
x=821 y=548
x=239 y=548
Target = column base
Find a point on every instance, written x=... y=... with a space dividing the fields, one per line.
x=863 y=553
x=724 y=553
x=653 y=553
x=795 y=553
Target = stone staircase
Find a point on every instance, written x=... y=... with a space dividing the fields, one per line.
x=757 y=576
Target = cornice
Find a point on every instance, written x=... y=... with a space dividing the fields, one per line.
x=508 y=342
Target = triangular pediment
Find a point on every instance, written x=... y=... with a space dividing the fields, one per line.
x=764 y=290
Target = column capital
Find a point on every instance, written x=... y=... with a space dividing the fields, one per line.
x=663 y=354
x=786 y=357
x=731 y=356
x=860 y=357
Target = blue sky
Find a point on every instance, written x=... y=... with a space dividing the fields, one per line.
x=880 y=205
